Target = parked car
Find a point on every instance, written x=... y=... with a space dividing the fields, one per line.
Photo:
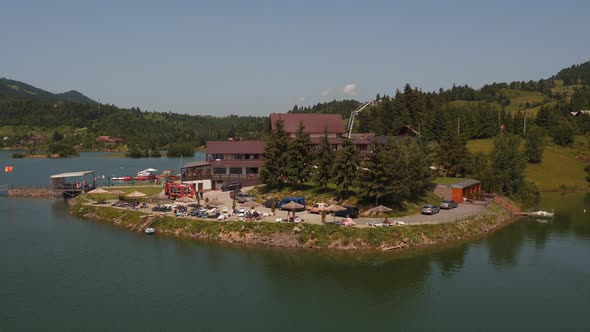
x=232 y=193
x=231 y=186
x=269 y=203
x=243 y=197
x=430 y=209
x=447 y=204
x=317 y=208
x=351 y=212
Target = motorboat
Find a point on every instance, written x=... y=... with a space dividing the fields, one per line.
x=541 y=214
x=150 y=231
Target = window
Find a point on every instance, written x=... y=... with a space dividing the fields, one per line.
x=362 y=147
x=219 y=171
x=252 y=170
x=235 y=170
x=237 y=156
x=216 y=156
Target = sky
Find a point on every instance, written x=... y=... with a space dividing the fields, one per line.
x=257 y=57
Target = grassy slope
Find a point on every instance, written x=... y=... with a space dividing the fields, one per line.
x=559 y=167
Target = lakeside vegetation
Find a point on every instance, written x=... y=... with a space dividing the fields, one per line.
x=307 y=235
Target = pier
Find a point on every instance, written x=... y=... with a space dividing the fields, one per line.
x=66 y=185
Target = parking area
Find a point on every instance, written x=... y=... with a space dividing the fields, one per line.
x=463 y=211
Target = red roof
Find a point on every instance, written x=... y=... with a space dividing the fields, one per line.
x=314 y=123
x=228 y=147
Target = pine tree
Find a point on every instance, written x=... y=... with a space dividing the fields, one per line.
x=299 y=157
x=372 y=177
x=324 y=161
x=397 y=168
x=534 y=145
x=419 y=169
x=275 y=155
x=452 y=153
x=346 y=167
x=508 y=163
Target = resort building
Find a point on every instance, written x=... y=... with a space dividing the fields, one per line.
x=226 y=161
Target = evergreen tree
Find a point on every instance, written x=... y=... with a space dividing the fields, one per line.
x=346 y=167
x=452 y=153
x=419 y=169
x=275 y=155
x=396 y=164
x=324 y=161
x=373 y=178
x=534 y=145
x=508 y=163
x=299 y=161
x=563 y=134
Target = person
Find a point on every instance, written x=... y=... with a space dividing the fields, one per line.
x=201 y=194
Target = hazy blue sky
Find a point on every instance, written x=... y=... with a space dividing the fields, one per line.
x=257 y=57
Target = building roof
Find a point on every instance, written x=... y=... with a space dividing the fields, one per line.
x=71 y=174
x=225 y=147
x=314 y=123
x=199 y=163
x=465 y=183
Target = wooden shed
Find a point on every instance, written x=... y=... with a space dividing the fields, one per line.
x=465 y=189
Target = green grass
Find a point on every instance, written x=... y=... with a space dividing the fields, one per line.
x=480 y=145
x=445 y=181
x=559 y=170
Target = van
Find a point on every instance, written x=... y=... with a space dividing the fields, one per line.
x=231 y=186
x=298 y=200
x=243 y=197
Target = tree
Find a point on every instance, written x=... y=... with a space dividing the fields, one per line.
x=134 y=152
x=563 y=134
x=419 y=169
x=452 y=153
x=324 y=161
x=508 y=163
x=373 y=177
x=275 y=155
x=57 y=137
x=346 y=167
x=299 y=157
x=534 y=145
x=397 y=168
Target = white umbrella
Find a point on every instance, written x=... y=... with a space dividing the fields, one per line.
x=150 y=170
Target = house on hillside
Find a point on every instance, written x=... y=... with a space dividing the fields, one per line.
x=108 y=139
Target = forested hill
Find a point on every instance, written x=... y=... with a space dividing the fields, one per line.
x=11 y=89
x=574 y=75
x=342 y=107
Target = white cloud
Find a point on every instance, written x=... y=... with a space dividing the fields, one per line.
x=350 y=90
x=302 y=99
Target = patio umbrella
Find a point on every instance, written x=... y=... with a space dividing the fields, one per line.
x=97 y=191
x=292 y=206
x=150 y=170
x=335 y=208
x=136 y=194
x=380 y=209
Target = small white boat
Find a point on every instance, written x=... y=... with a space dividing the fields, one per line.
x=150 y=231
x=541 y=214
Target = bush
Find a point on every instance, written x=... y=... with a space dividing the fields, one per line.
x=563 y=134
x=528 y=194
x=62 y=149
x=181 y=149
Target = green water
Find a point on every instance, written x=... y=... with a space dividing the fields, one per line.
x=60 y=273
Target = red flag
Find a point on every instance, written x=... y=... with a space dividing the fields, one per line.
x=7 y=169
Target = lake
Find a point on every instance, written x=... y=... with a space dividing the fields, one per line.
x=61 y=273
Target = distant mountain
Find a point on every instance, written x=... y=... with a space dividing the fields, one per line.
x=11 y=89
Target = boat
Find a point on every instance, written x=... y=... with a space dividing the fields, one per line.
x=541 y=214
x=150 y=231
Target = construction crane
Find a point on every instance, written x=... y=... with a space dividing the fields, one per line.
x=357 y=112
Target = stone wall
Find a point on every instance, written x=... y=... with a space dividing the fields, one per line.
x=31 y=192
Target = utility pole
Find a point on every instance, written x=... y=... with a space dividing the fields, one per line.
x=458 y=126
x=524 y=125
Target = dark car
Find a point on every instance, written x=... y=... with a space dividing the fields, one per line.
x=231 y=186
x=269 y=203
x=350 y=211
x=446 y=204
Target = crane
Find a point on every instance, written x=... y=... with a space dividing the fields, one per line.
x=357 y=112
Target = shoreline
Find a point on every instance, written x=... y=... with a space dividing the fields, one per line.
x=311 y=236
